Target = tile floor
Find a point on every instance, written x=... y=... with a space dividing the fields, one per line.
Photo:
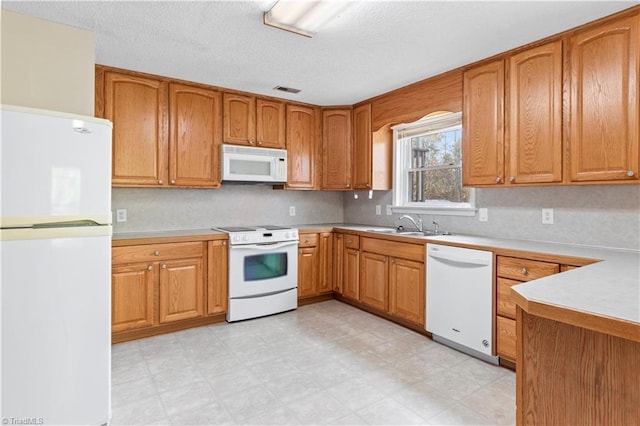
x=327 y=363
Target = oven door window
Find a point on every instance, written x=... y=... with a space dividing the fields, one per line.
x=265 y=266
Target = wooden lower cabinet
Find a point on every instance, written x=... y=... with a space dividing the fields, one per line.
x=407 y=290
x=338 y=262
x=506 y=336
x=315 y=264
x=132 y=296
x=374 y=288
x=181 y=290
x=351 y=271
x=392 y=278
x=154 y=286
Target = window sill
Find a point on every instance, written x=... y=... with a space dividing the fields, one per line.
x=443 y=211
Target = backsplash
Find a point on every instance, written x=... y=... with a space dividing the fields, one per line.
x=605 y=216
x=157 y=209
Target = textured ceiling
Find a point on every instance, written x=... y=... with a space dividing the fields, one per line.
x=372 y=48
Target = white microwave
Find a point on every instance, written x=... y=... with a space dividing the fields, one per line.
x=249 y=164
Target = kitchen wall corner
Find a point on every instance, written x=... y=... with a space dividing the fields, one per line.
x=159 y=209
x=602 y=215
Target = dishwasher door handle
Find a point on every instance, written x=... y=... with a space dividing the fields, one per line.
x=465 y=260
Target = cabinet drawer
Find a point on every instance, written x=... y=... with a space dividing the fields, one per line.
x=394 y=249
x=308 y=240
x=506 y=338
x=524 y=269
x=505 y=305
x=351 y=241
x=154 y=252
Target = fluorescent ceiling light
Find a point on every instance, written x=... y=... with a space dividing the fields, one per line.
x=303 y=17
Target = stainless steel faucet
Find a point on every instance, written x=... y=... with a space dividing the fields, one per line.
x=418 y=224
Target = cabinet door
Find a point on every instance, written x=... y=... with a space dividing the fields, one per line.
x=407 y=290
x=336 y=149
x=482 y=125
x=217 y=276
x=374 y=272
x=506 y=329
x=325 y=253
x=137 y=107
x=132 y=296
x=195 y=121
x=534 y=105
x=338 y=263
x=239 y=113
x=362 y=147
x=181 y=290
x=302 y=147
x=351 y=283
x=270 y=124
x=604 y=68
x=307 y=271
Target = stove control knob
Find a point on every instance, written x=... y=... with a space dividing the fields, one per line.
x=286 y=235
x=236 y=238
x=245 y=238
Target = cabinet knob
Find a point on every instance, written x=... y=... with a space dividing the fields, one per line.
x=630 y=173
x=150 y=268
x=224 y=243
x=259 y=142
x=524 y=271
x=306 y=241
x=498 y=179
x=512 y=179
x=350 y=241
x=156 y=253
x=393 y=261
x=173 y=182
x=250 y=142
x=348 y=186
x=164 y=266
x=160 y=182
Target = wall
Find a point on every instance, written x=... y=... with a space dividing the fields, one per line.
x=46 y=65
x=232 y=204
x=606 y=216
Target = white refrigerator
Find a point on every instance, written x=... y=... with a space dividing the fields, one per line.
x=55 y=268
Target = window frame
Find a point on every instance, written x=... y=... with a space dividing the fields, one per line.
x=401 y=166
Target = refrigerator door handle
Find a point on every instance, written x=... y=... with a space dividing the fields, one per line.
x=67 y=223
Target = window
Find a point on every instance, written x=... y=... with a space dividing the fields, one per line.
x=428 y=167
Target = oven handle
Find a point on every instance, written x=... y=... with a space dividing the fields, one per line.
x=266 y=246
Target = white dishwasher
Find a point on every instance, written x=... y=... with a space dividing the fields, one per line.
x=460 y=299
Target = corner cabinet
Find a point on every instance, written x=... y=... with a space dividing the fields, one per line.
x=604 y=68
x=165 y=134
x=336 y=149
x=252 y=121
x=303 y=147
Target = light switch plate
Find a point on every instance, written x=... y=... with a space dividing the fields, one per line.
x=483 y=214
x=547 y=216
x=378 y=209
x=292 y=210
x=121 y=215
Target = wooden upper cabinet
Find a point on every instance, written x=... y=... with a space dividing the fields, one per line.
x=362 y=147
x=482 y=124
x=336 y=149
x=253 y=122
x=303 y=147
x=239 y=119
x=604 y=63
x=534 y=137
x=195 y=116
x=270 y=124
x=137 y=107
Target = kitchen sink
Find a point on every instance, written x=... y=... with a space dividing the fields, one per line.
x=427 y=233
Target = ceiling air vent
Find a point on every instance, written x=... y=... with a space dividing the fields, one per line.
x=286 y=89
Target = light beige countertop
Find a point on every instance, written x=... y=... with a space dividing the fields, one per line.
x=608 y=288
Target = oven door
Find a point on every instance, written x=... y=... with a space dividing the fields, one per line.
x=258 y=269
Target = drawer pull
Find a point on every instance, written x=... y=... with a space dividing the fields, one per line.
x=524 y=271
x=150 y=268
x=156 y=253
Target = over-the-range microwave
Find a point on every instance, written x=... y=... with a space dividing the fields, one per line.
x=250 y=164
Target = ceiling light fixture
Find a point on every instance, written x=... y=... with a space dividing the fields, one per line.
x=303 y=17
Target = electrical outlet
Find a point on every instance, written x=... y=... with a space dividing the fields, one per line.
x=292 y=210
x=547 y=216
x=483 y=214
x=378 y=209
x=121 y=215
x=389 y=212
